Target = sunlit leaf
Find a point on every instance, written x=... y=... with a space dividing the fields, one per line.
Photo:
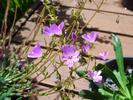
x=120 y=63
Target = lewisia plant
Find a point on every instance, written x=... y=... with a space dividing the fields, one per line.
x=23 y=72
x=35 y=62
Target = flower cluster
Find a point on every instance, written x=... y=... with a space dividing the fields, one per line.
x=65 y=44
x=70 y=55
x=89 y=38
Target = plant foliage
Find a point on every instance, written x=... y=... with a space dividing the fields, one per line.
x=123 y=89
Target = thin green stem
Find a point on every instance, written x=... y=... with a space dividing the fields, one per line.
x=11 y=30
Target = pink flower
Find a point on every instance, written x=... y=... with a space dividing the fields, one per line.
x=103 y=55
x=53 y=29
x=90 y=37
x=69 y=55
x=73 y=36
x=35 y=52
x=86 y=47
x=95 y=76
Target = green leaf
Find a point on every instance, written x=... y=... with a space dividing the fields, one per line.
x=118 y=96
x=19 y=98
x=2 y=80
x=92 y=95
x=81 y=73
x=120 y=63
x=117 y=74
x=17 y=3
x=119 y=57
x=130 y=85
x=104 y=90
x=4 y=96
x=7 y=98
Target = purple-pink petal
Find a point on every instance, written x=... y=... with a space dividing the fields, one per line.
x=61 y=25
x=69 y=55
x=47 y=31
x=73 y=36
x=53 y=29
x=90 y=37
x=75 y=59
x=68 y=50
x=93 y=36
x=69 y=63
x=85 y=37
x=76 y=54
x=86 y=47
x=95 y=76
x=35 y=52
x=103 y=55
